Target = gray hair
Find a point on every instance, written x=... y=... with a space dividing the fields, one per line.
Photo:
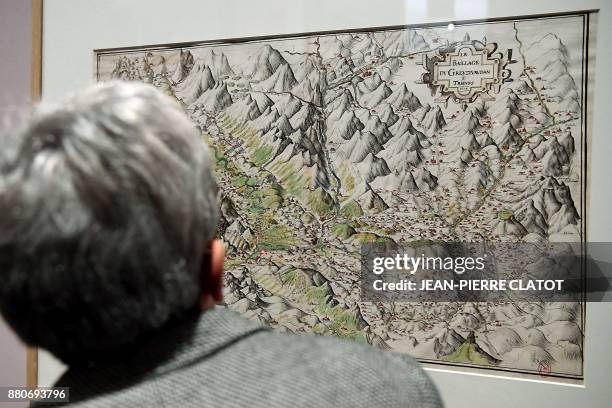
x=108 y=201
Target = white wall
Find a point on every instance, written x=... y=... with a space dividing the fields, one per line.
x=73 y=28
x=15 y=48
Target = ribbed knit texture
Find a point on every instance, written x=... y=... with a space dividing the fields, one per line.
x=221 y=360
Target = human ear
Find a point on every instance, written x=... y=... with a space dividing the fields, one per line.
x=212 y=274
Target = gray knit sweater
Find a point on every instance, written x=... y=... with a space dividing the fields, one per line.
x=221 y=360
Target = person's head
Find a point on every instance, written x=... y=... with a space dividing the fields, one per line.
x=108 y=213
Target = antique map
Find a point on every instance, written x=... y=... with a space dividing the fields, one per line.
x=465 y=132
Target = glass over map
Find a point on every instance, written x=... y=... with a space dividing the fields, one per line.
x=473 y=133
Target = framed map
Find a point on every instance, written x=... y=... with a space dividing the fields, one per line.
x=471 y=131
